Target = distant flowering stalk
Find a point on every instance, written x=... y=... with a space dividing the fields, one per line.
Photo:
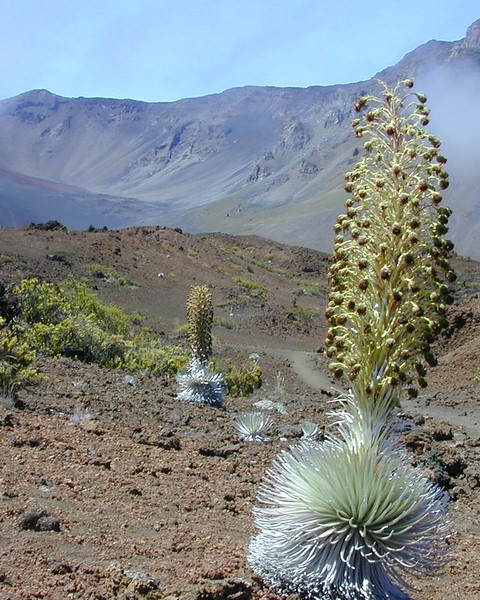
x=200 y=385
x=200 y=319
x=253 y=426
x=389 y=279
x=346 y=518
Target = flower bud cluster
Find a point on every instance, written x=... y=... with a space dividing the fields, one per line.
x=199 y=310
x=389 y=279
x=346 y=517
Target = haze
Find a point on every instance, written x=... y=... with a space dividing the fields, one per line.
x=159 y=50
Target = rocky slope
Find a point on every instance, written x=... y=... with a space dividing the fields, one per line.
x=258 y=160
x=111 y=488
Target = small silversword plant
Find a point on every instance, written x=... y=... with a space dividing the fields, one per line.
x=80 y=414
x=310 y=430
x=253 y=426
x=200 y=385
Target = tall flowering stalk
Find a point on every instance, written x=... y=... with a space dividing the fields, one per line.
x=199 y=310
x=199 y=384
x=347 y=518
x=389 y=279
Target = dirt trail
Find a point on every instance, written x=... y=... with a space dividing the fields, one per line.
x=304 y=365
x=465 y=417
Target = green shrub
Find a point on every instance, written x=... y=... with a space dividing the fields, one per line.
x=103 y=272
x=302 y=314
x=309 y=288
x=253 y=289
x=146 y=353
x=268 y=266
x=242 y=380
x=41 y=301
x=224 y=322
x=78 y=337
x=182 y=331
x=68 y=319
x=15 y=360
x=50 y=303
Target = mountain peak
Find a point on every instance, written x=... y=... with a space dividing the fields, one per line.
x=472 y=37
x=39 y=93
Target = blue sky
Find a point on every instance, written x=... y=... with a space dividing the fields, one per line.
x=164 y=50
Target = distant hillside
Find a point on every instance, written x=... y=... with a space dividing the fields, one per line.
x=261 y=160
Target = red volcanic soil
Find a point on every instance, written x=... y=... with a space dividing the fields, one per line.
x=110 y=487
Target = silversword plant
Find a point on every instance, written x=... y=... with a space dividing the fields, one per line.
x=347 y=518
x=339 y=521
x=80 y=415
x=310 y=430
x=200 y=385
x=253 y=426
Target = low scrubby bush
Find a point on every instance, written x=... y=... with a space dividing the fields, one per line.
x=68 y=319
x=240 y=380
x=16 y=358
x=144 y=352
x=253 y=289
x=102 y=272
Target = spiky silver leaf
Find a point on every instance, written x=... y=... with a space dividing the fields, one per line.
x=310 y=430
x=253 y=426
x=345 y=521
x=200 y=385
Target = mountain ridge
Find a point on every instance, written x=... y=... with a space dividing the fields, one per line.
x=254 y=159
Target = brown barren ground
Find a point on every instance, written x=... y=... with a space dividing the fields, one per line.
x=152 y=498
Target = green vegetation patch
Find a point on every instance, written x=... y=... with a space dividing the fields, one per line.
x=240 y=380
x=68 y=319
x=310 y=288
x=15 y=361
x=302 y=314
x=109 y=274
x=224 y=322
x=272 y=268
x=253 y=289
